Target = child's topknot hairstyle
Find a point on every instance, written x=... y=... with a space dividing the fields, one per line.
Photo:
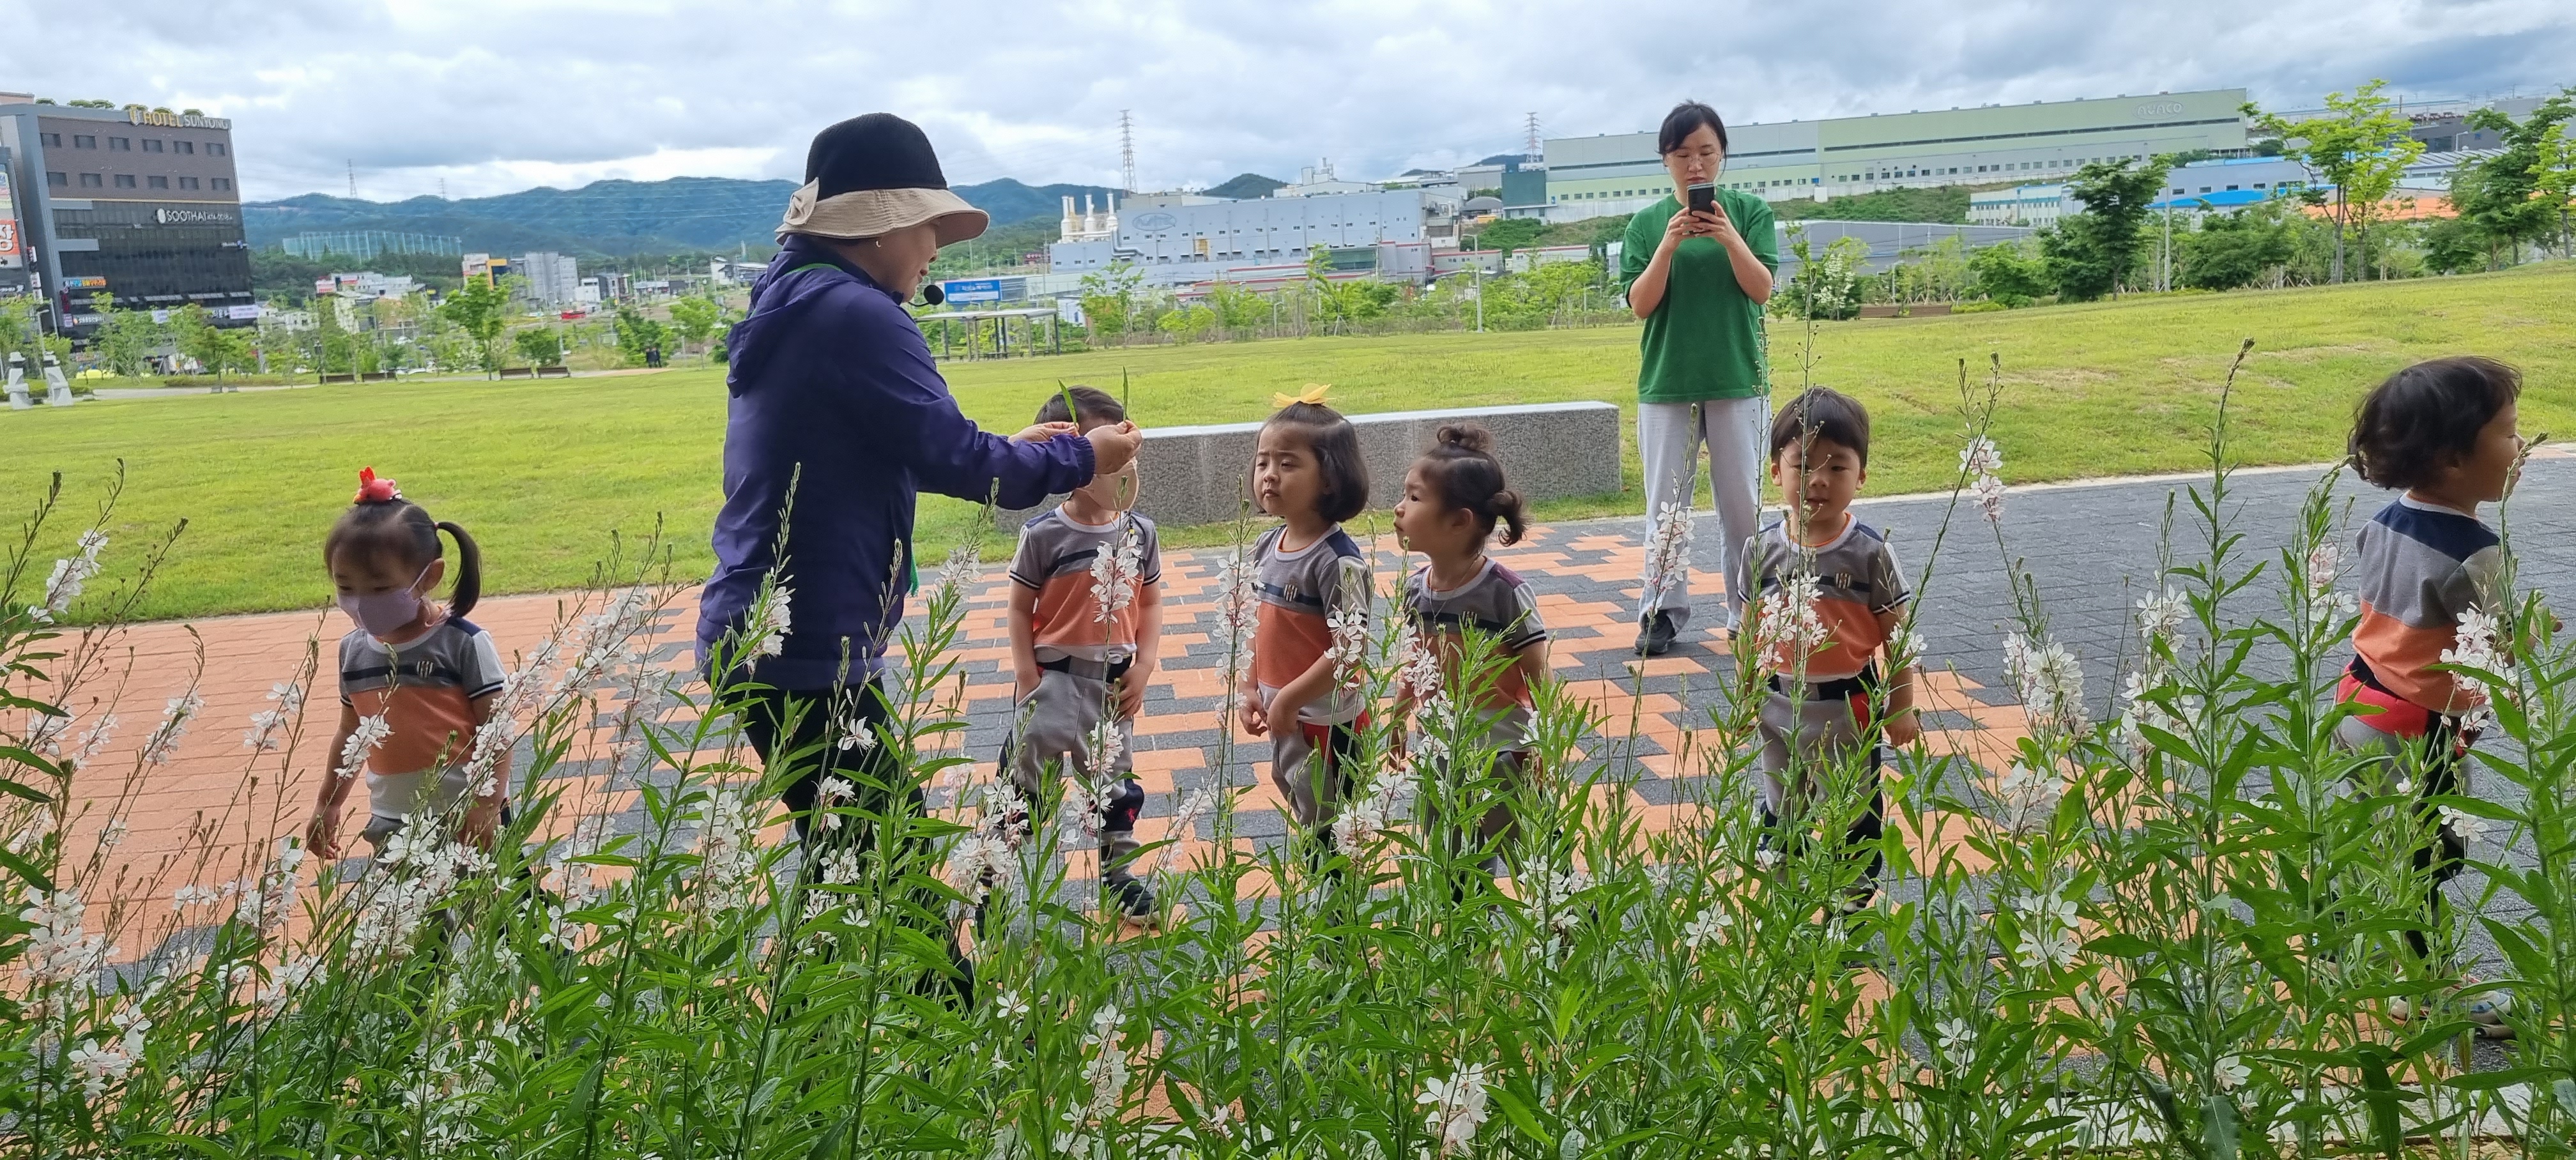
x=1093 y=406
x=1828 y=414
x=381 y=521
x=1462 y=470
x=2427 y=417
x=1336 y=445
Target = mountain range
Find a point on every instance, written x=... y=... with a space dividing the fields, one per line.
x=617 y=218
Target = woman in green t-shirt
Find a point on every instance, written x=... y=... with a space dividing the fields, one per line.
x=1699 y=278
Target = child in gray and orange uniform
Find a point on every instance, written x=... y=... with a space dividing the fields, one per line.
x=1086 y=614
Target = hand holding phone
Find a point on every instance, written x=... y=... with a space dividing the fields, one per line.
x=1703 y=197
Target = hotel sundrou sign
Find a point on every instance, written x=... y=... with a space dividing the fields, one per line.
x=135 y=116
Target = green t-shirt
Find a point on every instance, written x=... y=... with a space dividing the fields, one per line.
x=1704 y=340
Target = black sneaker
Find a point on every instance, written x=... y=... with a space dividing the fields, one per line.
x=1655 y=634
x=1133 y=899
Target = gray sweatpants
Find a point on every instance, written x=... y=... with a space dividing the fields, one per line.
x=1818 y=732
x=1055 y=726
x=1737 y=435
x=1511 y=768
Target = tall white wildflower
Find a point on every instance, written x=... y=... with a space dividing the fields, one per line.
x=1350 y=633
x=770 y=621
x=1786 y=630
x=363 y=742
x=1369 y=814
x=1116 y=574
x=175 y=717
x=2161 y=616
x=1457 y=1107
x=2050 y=683
x=38 y=827
x=728 y=854
x=605 y=637
x=956 y=574
x=1195 y=807
x=1706 y=928
x=69 y=575
x=2029 y=795
x=2047 y=930
x=1667 y=552
x=286 y=699
x=60 y=950
x=2478 y=645
x=1107 y=1071
x=93 y=739
x=99 y=1066
x=1983 y=462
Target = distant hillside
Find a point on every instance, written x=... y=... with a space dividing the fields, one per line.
x=606 y=218
x=1244 y=186
x=1942 y=203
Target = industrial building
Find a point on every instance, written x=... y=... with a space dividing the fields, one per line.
x=2223 y=183
x=1174 y=238
x=141 y=204
x=2038 y=142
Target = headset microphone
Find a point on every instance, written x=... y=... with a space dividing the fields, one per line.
x=932 y=295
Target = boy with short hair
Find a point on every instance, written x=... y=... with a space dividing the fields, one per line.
x=2441 y=433
x=1822 y=705
x=1086 y=615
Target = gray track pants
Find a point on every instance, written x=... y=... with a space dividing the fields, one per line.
x=1737 y=435
x=1055 y=734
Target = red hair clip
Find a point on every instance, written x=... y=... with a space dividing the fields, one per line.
x=374 y=490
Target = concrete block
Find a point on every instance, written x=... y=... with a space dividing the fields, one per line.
x=1202 y=475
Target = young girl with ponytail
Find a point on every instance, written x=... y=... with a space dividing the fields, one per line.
x=1453 y=497
x=418 y=681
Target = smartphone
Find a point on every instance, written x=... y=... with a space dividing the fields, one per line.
x=1703 y=197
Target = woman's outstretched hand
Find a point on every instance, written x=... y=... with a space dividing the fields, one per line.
x=1113 y=447
x=1041 y=432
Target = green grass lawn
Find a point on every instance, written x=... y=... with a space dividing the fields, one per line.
x=544 y=472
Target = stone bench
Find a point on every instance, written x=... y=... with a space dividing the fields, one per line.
x=327 y=380
x=518 y=372
x=1201 y=475
x=554 y=372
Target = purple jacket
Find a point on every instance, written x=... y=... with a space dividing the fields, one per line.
x=830 y=372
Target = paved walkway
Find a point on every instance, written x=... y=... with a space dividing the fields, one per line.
x=2093 y=547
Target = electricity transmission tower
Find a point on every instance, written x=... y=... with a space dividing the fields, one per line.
x=1530 y=150
x=1127 y=149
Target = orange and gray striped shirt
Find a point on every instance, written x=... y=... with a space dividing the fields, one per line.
x=2419 y=567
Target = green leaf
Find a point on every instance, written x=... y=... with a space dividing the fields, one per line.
x=2218 y=1127
x=1520 y=1115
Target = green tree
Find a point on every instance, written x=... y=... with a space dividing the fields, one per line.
x=1109 y=298
x=2092 y=253
x=2519 y=195
x=542 y=346
x=21 y=333
x=480 y=309
x=2359 y=150
x=2454 y=246
x=2011 y=273
x=636 y=333
x=126 y=340
x=695 y=319
x=1510 y=234
x=1827 y=285
x=2231 y=252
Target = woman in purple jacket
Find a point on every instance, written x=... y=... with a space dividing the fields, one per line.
x=834 y=389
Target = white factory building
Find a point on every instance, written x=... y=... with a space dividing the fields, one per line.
x=1176 y=238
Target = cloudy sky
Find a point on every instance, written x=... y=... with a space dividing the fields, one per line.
x=496 y=95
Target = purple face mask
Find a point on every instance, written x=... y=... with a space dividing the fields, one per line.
x=383 y=614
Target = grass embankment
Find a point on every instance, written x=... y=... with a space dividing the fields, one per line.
x=542 y=472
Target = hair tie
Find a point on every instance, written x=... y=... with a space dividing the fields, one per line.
x=1312 y=396
x=374 y=490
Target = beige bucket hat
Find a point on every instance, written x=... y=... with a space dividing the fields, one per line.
x=871 y=175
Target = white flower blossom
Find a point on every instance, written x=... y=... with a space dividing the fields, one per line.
x=1116 y=575
x=64 y=586
x=956 y=574
x=2028 y=794
x=769 y=623
x=2161 y=615
x=1707 y=928
x=1786 y=630
x=2469 y=827
x=728 y=859
x=59 y=948
x=1457 y=1107
x=1954 y=1039
x=1350 y=634
x=1554 y=897
x=175 y=717
x=1984 y=463
x=286 y=699
x=2477 y=645
x=93 y=739
x=99 y=1066
x=2050 y=683
x=2232 y=1072
x=1667 y=552
x=2047 y=930
x=2325 y=563
x=363 y=742
x=39 y=826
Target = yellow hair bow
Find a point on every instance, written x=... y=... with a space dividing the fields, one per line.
x=1312 y=396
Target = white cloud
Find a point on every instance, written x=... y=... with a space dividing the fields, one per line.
x=492 y=96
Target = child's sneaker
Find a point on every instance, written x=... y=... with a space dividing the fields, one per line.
x=2487 y=1011
x=1133 y=899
